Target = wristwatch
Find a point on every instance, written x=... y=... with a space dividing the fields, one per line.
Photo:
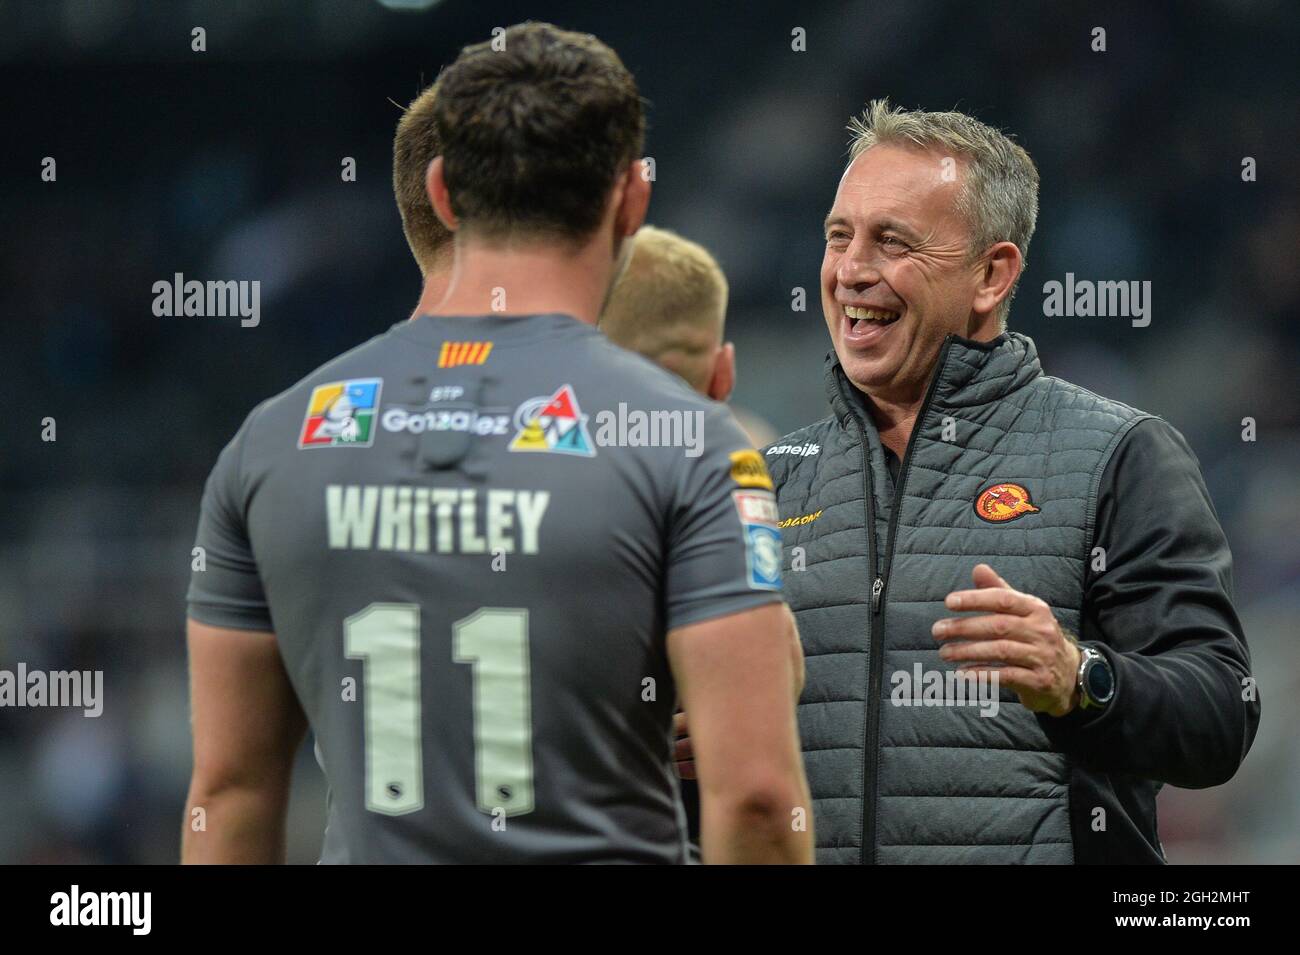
x=1096 y=681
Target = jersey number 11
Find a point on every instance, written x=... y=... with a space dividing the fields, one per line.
x=494 y=642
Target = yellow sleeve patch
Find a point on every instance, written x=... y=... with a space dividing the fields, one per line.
x=749 y=470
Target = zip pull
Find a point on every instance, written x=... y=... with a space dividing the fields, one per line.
x=876 y=588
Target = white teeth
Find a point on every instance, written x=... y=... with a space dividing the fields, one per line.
x=870 y=314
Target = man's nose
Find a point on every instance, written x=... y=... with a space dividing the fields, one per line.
x=858 y=266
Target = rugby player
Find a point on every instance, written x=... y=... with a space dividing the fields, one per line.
x=485 y=615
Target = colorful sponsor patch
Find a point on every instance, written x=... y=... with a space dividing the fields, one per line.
x=749 y=470
x=1003 y=502
x=341 y=413
x=801 y=520
x=463 y=353
x=758 y=519
x=763 y=556
x=756 y=507
x=555 y=425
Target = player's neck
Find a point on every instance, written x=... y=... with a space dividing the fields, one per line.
x=525 y=279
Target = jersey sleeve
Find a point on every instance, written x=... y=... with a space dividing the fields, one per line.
x=225 y=587
x=724 y=546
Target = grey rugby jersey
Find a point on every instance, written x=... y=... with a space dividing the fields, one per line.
x=470 y=537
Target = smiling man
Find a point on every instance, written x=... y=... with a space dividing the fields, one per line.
x=959 y=508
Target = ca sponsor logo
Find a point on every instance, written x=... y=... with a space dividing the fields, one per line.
x=553 y=424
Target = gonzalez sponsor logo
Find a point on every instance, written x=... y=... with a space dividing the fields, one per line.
x=1003 y=502
x=341 y=413
x=800 y=450
x=463 y=353
x=463 y=419
x=554 y=425
x=749 y=470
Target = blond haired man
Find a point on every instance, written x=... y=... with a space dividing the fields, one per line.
x=670 y=304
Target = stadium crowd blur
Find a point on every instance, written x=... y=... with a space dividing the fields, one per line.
x=227 y=164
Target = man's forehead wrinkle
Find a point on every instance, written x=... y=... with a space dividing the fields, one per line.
x=911 y=200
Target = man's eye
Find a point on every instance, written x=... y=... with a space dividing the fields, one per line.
x=890 y=240
x=837 y=236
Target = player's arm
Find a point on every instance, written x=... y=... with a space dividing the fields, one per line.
x=247 y=726
x=739 y=676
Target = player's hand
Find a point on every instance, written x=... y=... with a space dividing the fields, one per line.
x=1015 y=635
x=683 y=754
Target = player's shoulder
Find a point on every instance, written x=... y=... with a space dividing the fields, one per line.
x=355 y=373
x=637 y=382
x=640 y=377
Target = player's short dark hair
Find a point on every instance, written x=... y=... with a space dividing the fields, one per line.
x=536 y=126
x=414 y=147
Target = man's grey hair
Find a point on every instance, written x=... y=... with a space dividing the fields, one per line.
x=999 y=195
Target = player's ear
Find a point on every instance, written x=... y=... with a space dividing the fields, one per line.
x=632 y=195
x=1001 y=268
x=724 y=373
x=436 y=186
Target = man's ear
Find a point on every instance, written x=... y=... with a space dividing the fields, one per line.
x=723 y=381
x=632 y=196
x=436 y=186
x=1000 y=270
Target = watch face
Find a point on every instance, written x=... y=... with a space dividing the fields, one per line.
x=1099 y=681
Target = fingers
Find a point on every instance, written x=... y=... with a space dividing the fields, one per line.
x=985 y=576
x=683 y=751
x=994 y=626
x=991 y=600
x=1011 y=652
x=1031 y=683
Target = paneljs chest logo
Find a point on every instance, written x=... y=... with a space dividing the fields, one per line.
x=1003 y=502
x=555 y=425
x=341 y=413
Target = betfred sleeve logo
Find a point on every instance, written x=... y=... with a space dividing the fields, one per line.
x=341 y=413
x=749 y=470
x=1003 y=502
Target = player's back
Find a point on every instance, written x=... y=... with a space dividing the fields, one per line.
x=470 y=552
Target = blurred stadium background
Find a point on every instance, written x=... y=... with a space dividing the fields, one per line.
x=226 y=164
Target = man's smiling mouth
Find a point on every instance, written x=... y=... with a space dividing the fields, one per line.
x=879 y=316
x=864 y=326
